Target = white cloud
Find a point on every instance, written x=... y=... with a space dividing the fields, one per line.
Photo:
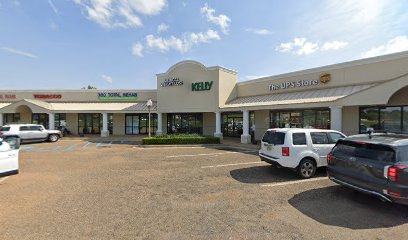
x=397 y=44
x=261 y=31
x=301 y=46
x=16 y=3
x=120 y=13
x=52 y=5
x=107 y=78
x=221 y=20
x=137 y=49
x=334 y=45
x=182 y=44
x=19 y=52
x=162 y=27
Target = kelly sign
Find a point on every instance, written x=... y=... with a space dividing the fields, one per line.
x=201 y=86
x=125 y=96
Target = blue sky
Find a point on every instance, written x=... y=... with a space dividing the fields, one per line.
x=114 y=44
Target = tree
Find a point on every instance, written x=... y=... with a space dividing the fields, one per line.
x=89 y=87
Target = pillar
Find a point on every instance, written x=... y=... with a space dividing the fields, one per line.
x=105 y=131
x=1 y=119
x=218 y=132
x=245 y=137
x=159 y=124
x=51 y=121
x=336 y=118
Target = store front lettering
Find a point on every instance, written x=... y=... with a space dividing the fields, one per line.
x=201 y=86
x=293 y=84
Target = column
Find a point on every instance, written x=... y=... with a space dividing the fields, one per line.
x=218 y=132
x=105 y=131
x=159 y=124
x=245 y=137
x=1 y=119
x=51 y=121
x=336 y=118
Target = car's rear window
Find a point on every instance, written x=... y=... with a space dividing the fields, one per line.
x=299 y=138
x=4 y=129
x=273 y=137
x=374 y=152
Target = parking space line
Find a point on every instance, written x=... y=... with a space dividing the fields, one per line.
x=205 y=154
x=70 y=148
x=155 y=148
x=232 y=164
x=294 y=182
x=3 y=179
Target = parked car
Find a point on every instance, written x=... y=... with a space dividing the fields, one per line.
x=375 y=164
x=302 y=150
x=30 y=133
x=9 y=150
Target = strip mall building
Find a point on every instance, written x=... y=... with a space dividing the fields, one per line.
x=351 y=97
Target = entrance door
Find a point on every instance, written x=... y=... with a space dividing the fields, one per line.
x=89 y=123
x=40 y=119
x=232 y=124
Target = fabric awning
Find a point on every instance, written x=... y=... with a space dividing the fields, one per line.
x=312 y=96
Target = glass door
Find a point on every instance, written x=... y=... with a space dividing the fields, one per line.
x=232 y=124
x=135 y=124
x=89 y=123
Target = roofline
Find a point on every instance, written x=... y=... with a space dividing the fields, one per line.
x=197 y=63
x=325 y=68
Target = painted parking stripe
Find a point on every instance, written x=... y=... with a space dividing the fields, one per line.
x=155 y=148
x=3 y=179
x=232 y=164
x=204 y=154
x=86 y=145
x=70 y=148
x=294 y=182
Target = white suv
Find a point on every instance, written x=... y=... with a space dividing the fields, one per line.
x=303 y=150
x=30 y=132
x=9 y=150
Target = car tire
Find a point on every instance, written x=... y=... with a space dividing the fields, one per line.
x=307 y=168
x=53 y=138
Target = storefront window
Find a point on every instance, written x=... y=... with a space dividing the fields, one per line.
x=89 y=123
x=9 y=118
x=185 y=123
x=300 y=119
x=60 y=120
x=390 y=119
x=139 y=123
x=41 y=119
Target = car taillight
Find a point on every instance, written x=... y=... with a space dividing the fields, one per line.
x=394 y=172
x=285 y=151
x=329 y=157
x=1 y=133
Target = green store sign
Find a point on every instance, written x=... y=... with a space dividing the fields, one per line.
x=126 y=96
x=201 y=86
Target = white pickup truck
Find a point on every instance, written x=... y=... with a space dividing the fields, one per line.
x=9 y=151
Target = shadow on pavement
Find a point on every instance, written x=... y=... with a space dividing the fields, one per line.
x=343 y=207
x=268 y=174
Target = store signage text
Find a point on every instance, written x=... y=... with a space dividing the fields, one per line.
x=293 y=84
x=8 y=96
x=171 y=82
x=125 y=96
x=201 y=86
x=48 y=96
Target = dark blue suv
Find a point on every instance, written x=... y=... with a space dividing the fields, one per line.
x=375 y=164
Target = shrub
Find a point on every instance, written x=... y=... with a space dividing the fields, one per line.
x=180 y=139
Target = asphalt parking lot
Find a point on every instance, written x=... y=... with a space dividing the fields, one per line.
x=119 y=190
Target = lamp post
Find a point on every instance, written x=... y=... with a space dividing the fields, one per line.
x=149 y=106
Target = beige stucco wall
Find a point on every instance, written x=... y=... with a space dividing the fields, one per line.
x=76 y=95
x=119 y=123
x=72 y=123
x=350 y=120
x=400 y=97
x=25 y=114
x=208 y=124
x=227 y=87
x=261 y=123
x=358 y=72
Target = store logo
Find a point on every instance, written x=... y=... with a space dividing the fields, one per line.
x=48 y=96
x=325 y=77
x=8 y=96
x=126 y=96
x=293 y=84
x=171 y=82
x=201 y=86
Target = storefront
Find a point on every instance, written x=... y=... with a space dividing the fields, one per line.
x=352 y=97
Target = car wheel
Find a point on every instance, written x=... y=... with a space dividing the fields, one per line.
x=53 y=138
x=306 y=168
